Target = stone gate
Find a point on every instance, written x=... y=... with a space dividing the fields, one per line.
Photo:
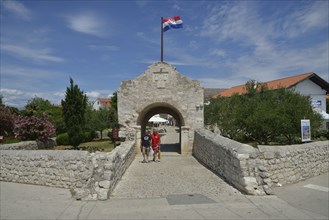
x=161 y=89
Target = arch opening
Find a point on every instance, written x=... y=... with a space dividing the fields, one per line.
x=171 y=134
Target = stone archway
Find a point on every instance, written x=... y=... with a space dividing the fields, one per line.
x=161 y=89
x=163 y=108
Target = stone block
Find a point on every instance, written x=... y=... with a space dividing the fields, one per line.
x=268 y=190
x=79 y=193
x=249 y=181
x=108 y=175
x=104 y=184
x=262 y=169
x=102 y=194
x=108 y=166
x=267 y=181
x=264 y=175
x=269 y=155
x=91 y=197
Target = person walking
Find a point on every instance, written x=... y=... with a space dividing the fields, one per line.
x=146 y=143
x=155 y=142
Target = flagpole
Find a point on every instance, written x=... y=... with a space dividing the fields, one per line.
x=161 y=40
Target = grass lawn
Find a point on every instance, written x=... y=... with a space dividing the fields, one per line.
x=97 y=145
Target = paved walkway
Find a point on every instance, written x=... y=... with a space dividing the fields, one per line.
x=173 y=175
x=178 y=187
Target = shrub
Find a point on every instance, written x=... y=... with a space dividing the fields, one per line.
x=262 y=116
x=321 y=134
x=33 y=128
x=88 y=136
x=62 y=139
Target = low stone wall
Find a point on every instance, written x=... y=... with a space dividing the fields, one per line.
x=90 y=176
x=65 y=169
x=256 y=170
x=28 y=145
x=108 y=169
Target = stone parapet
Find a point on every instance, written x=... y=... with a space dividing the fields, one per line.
x=89 y=176
x=66 y=169
x=255 y=170
x=28 y=145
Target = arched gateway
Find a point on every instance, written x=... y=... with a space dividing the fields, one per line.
x=161 y=89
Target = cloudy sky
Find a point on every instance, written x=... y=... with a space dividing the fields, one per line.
x=101 y=43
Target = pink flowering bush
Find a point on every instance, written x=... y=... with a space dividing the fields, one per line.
x=33 y=128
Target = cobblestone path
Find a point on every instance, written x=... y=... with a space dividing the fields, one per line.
x=175 y=174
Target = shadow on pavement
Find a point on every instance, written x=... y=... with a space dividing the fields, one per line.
x=170 y=148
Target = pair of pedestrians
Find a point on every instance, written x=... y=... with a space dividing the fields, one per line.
x=149 y=141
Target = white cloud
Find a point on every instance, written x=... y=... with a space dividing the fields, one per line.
x=88 y=23
x=217 y=52
x=316 y=15
x=31 y=53
x=267 y=53
x=240 y=22
x=306 y=18
x=219 y=83
x=270 y=66
x=93 y=94
x=18 y=9
x=23 y=72
x=19 y=98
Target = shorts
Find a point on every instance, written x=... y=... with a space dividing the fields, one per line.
x=155 y=148
x=146 y=148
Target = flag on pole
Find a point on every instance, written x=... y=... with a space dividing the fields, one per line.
x=172 y=22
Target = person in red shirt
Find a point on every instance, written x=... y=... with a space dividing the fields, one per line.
x=155 y=143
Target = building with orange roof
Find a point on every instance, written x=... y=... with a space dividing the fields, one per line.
x=288 y=82
x=307 y=84
x=102 y=103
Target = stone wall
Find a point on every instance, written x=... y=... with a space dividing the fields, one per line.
x=256 y=170
x=28 y=145
x=90 y=176
x=108 y=169
x=67 y=169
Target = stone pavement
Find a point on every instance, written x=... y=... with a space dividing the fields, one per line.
x=22 y=201
x=173 y=175
x=178 y=187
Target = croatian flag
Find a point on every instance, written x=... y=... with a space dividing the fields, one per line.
x=172 y=22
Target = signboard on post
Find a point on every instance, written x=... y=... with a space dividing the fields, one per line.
x=306 y=130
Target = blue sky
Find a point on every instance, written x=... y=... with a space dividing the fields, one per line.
x=101 y=43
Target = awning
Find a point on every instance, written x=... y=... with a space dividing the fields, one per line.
x=157 y=118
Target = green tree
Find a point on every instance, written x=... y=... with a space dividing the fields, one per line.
x=262 y=115
x=1 y=101
x=327 y=103
x=7 y=116
x=113 y=111
x=292 y=107
x=74 y=109
x=97 y=120
x=102 y=120
x=114 y=101
x=39 y=106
